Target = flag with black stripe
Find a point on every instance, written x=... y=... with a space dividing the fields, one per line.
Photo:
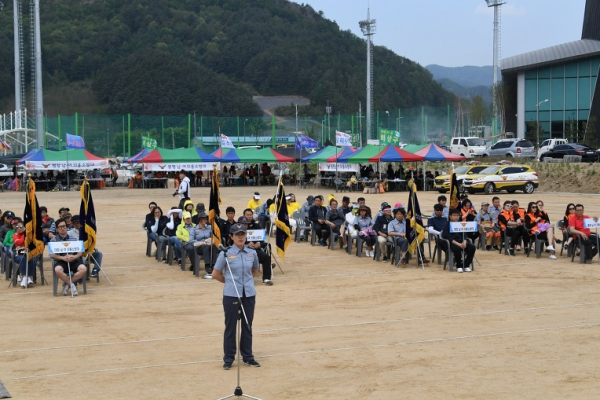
x=32 y=217
x=213 y=208
x=282 y=236
x=415 y=232
x=87 y=219
x=454 y=201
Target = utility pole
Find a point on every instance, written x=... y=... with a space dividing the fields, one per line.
x=368 y=28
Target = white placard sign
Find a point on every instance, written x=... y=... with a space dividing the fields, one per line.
x=175 y=167
x=68 y=246
x=340 y=167
x=256 y=235
x=591 y=223
x=463 y=227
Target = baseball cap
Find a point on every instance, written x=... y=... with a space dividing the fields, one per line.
x=236 y=228
x=385 y=205
x=187 y=215
x=243 y=220
x=355 y=206
x=256 y=196
x=310 y=197
x=484 y=203
x=9 y=214
x=67 y=215
x=288 y=197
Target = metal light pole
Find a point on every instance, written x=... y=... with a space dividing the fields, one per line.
x=323 y=131
x=246 y=120
x=328 y=111
x=537 y=122
x=296 y=118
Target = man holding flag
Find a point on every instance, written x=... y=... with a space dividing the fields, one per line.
x=415 y=232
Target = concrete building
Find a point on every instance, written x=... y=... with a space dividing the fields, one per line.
x=556 y=87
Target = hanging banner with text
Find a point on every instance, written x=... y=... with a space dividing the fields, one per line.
x=61 y=165
x=387 y=136
x=174 y=167
x=340 y=167
x=343 y=139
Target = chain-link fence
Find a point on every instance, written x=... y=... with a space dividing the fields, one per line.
x=121 y=135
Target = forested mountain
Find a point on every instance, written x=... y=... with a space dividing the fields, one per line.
x=162 y=57
x=468 y=76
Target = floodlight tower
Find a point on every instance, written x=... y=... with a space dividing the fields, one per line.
x=368 y=27
x=496 y=4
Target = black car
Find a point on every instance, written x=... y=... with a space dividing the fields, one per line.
x=573 y=149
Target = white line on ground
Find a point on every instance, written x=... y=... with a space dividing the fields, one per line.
x=417 y=342
x=309 y=327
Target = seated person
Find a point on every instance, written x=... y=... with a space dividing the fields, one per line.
x=381 y=228
x=577 y=228
x=174 y=215
x=197 y=240
x=96 y=256
x=462 y=249
x=260 y=247
x=69 y=262
x=510 y=226
x=335 y=219
x=254 y=202
x=27 y=269
x=364 y=226
x=488 y=226
x=156 y=227
x=317 y=216
x=397 y=233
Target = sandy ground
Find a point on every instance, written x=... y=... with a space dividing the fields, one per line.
x=333 y=326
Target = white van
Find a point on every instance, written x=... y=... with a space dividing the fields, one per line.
x=467 y=146
x=549 y=144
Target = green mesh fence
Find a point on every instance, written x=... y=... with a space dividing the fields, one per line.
x=121 y=135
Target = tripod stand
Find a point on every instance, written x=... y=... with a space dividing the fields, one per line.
x=238 y=389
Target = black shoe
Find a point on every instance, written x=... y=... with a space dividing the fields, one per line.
x=488 y=248
x=251 y=363
x=384 y=259
x=496 y=248
x=227 y=366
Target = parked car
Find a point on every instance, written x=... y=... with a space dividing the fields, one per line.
x=511 y=148
x=549 y=144
x=442 y=182
x=468 y=147
x=587 y=153
x=511 y=177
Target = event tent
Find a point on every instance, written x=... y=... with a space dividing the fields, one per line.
x=266 y=155
x=44 y=160
x=329 y=154
x=433 y=152
x=183 y=155
x=396 y=154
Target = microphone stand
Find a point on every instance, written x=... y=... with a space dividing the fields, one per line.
x=238 y=389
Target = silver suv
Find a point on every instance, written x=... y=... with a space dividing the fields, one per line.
x=511 y=148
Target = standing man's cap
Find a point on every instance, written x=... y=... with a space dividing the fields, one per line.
x=236 y=228
x=256 y=196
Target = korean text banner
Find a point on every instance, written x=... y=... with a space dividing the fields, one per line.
x=340 y=167
x=387 y=136
x=75 y=142
x=226 y=142
x=174 y=167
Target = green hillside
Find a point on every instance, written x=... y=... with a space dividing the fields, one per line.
x=161 y=57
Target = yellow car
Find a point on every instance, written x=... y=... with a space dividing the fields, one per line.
x=442 y=182
x=511 y=177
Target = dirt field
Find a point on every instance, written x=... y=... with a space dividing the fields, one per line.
x=333 y=326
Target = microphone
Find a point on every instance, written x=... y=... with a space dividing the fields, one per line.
x=223 y=248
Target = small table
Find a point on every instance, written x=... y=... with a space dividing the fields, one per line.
x=155 y=182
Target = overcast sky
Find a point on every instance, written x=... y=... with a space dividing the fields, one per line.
x=460 y=32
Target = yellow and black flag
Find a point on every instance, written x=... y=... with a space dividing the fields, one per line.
x=282 y=236
x=213 y=208
x=34 y=239
x=454 y=201
x=415 y=232
x=87 y=219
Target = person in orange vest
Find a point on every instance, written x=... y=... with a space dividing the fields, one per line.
x=509 y=225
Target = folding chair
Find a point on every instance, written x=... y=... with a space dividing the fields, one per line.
x=539 y=245
x=55 y=281
x=333 y=238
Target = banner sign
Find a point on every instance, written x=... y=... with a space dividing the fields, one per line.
x=149 y=143
x=256 y=235
x=72 y=246
x=463 y=227
x=343 y=139
x=60 y=165
x=591 y=223
x=174 y=167
x=387 y=136
x=374 y=142
x=75 y=142
x=226 y=142
x=340 y=167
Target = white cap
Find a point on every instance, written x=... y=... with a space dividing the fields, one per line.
x=256 y=196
